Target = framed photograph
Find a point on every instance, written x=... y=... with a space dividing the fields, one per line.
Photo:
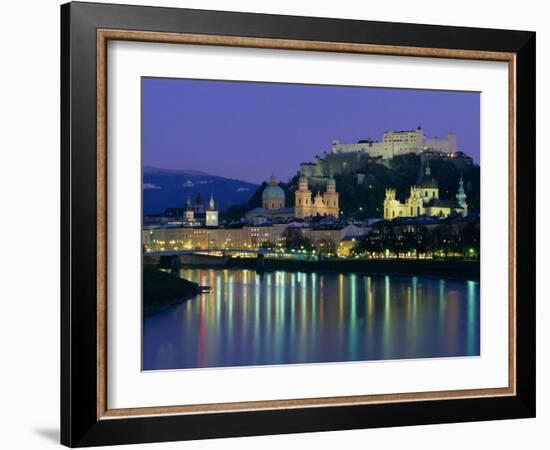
x=276 y=224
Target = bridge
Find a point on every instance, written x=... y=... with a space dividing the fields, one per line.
x=217 y=251
x=175 y=259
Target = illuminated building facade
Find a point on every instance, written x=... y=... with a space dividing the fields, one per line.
x=326 y=204
x=247 y=237
x=243 y=237
x=211 y=213
x=399 y=143
x=352 y=158
x=196 y=216
x=424 y=200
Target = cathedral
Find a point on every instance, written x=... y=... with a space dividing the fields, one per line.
x=424 y=200
x=273 y=205
x=325 y=204
x=196 y=216
x=273 y=202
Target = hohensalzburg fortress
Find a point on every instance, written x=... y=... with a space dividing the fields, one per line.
x=399 y=143
x=350 y=159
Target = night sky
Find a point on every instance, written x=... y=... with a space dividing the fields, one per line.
x=248 y=130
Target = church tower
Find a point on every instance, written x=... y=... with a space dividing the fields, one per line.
x=427 y=185
x=302 y=199
x=189 y=214
x=389 y=204
x=211 y=213
x=199 y=205
x=331 y=198
x=461 y=197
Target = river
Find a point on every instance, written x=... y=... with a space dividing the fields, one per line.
x=292 y=317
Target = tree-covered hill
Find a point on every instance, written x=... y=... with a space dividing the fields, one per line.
x=366 y=199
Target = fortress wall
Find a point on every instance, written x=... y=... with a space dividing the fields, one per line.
x=334 y=164
x=447 y=144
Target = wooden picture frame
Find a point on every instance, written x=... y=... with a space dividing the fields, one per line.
x=86 y=418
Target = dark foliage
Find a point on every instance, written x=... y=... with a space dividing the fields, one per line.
x=442 y=239
x=294 y=240
x=160 y=288
x=366 y=199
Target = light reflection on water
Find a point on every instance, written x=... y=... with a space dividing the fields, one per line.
x=286 y=318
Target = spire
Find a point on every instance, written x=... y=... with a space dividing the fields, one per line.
x=302 y=182
x=461 y=195
x=331 y=183
x=189 y=205
x=427 y=171
x=211 y=204
x=273 y=180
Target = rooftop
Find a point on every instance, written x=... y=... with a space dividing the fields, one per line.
x=438 y=202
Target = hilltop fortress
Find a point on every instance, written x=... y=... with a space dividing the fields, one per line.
x=398 y=143
x=349 y=159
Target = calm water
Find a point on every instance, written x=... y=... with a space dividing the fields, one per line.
x=288 y=317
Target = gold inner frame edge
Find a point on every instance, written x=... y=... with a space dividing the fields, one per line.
x=103 y=36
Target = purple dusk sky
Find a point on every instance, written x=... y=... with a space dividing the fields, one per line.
x=247 y=130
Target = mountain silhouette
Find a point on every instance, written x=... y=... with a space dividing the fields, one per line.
x=170 y=188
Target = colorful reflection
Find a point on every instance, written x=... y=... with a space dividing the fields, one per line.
x=289 y=318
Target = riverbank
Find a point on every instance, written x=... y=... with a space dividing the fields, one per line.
x=462 y=269
x=162 y=290
x=445 y=268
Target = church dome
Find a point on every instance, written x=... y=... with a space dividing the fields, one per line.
x=273 y=191
x=427 y=181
